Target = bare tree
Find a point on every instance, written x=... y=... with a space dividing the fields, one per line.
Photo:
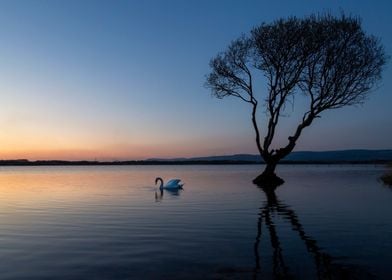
x=329 y=60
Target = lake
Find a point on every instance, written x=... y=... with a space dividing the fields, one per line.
x=108 y=222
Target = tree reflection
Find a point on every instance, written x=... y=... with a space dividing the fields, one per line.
x=325 y=267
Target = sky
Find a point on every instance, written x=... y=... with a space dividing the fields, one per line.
x=123 y=80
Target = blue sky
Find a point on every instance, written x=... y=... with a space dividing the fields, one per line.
x=124 y=79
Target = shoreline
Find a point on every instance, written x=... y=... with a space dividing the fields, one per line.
x=25 y=162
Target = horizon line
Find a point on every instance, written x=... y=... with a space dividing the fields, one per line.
x=113 y=159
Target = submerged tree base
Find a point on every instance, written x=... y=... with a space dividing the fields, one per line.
x=387 y=179
x=268 y=180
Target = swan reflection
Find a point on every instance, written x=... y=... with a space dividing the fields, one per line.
x=172 y=192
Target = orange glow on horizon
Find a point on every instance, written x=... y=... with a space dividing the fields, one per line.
x=86 y=145
x=113 y=152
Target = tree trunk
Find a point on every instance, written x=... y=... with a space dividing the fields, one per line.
x=268 y=179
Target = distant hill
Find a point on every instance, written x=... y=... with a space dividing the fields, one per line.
x=329 y=157
x=344 y=155
x=302 y=156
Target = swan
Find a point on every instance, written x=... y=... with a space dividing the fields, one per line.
x=173 y=184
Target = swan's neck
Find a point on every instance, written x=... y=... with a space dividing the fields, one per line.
x=161 y=185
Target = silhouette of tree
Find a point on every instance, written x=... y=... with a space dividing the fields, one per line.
x=329 y=60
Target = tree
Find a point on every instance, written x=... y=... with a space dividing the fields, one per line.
x=329 y=60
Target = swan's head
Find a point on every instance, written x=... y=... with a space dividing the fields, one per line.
x=157 y=179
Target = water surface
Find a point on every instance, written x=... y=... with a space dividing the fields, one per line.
x=108 y=222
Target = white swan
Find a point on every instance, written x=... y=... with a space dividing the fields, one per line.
x=173 y=184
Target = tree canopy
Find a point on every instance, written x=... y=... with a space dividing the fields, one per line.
x=329 y=60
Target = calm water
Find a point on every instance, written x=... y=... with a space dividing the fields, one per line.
x=108 y=223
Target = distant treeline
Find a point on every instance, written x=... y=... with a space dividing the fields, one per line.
x=25 y=162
